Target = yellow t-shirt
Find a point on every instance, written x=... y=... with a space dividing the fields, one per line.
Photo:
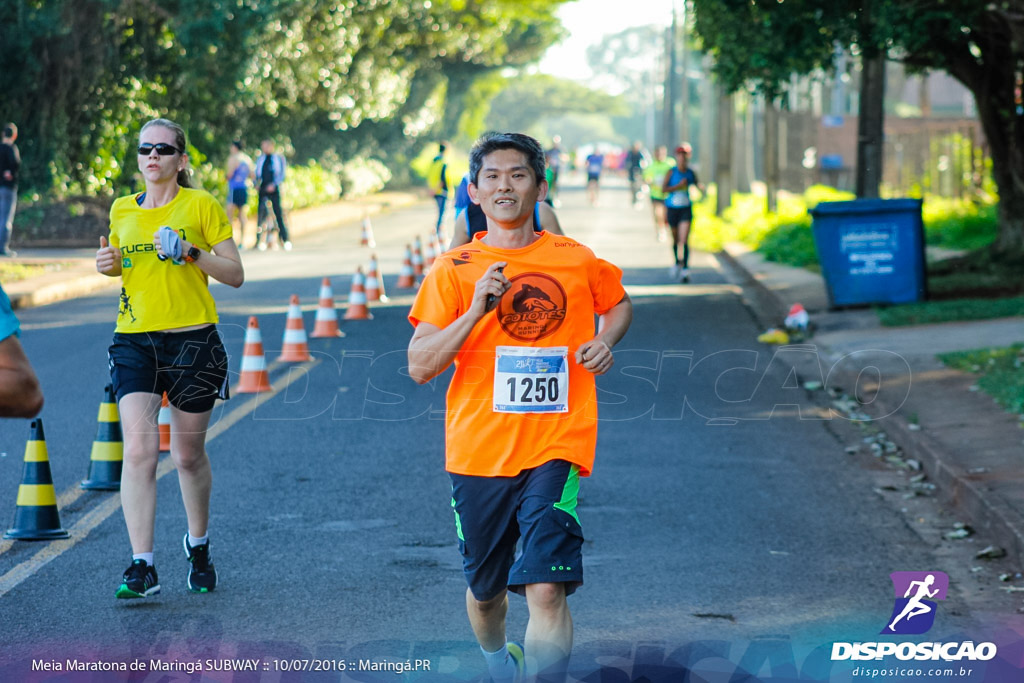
x=558 y=285
x=160 y=295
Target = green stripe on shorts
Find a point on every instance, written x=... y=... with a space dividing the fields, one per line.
x=570 y=493
x=458 y=522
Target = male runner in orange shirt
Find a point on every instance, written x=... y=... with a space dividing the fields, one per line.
x=514 y=310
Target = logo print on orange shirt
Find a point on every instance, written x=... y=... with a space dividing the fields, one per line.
x=533 y=307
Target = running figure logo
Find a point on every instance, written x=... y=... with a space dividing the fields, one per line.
x=914 y=610
x=126 y=305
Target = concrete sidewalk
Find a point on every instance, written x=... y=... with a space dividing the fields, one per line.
x=969 y=447
x=72 y=272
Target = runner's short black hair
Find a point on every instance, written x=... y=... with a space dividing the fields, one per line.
x=492 y=142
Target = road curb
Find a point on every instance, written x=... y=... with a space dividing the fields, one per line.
x=985 y=512
x=61 y=290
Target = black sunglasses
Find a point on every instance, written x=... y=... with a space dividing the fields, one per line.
x=162 y=148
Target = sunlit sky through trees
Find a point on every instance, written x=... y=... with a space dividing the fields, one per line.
x=588 y=21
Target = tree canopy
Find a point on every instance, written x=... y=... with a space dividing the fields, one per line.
x=761 y=43
x=352 y=76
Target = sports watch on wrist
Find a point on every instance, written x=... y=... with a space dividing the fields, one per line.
x=193 y=254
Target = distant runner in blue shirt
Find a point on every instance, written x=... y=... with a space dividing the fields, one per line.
x=595 y=162
x=678 y=206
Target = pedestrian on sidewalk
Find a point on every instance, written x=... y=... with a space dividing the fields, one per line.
x=165 y=243
x=240 y=171
x=679 y=209
x=10 y=163
x=20 y=395
x=270 y=173
x=516 y=316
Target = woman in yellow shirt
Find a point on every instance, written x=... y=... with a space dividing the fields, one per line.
x=165 y=243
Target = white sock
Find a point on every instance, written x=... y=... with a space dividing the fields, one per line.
x=499 y=665
x=193 y=541
x=148 y=557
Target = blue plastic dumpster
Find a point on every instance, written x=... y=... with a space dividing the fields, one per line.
x=871 y=251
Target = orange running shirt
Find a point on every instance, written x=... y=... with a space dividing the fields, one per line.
x=558 y=285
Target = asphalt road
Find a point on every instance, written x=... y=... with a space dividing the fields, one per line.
x=723 y=518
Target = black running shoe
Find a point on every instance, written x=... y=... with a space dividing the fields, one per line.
x=139 y=581
x=202 y=577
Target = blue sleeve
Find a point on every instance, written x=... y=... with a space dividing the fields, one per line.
x=8 y=321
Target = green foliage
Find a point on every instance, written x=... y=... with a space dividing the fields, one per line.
x=959 y=223
x=783 y=237
x=952 y=310
x=357 y=78
x=530 y=99
x=786 y=236
x=1000 y=373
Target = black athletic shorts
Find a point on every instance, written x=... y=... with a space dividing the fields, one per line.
x=239 y=196
x=192 y=367
x=678 y=214
x=538 y=506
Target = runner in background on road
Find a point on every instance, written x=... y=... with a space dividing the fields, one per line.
x=595 y=163
x=654 y=175
x=555 y=159
x=240 y=171
x=437 y=181
x=165 y=244
x=270 y=174
x=515 y=312
x=635 y=161
x=679 y=210
x=20 y=395
x=471 y=221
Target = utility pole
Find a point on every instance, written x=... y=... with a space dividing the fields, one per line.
x=671 y=82
x=684 y=123
x=870 y=125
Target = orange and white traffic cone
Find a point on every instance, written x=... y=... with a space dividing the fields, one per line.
x=357 y=309
x=367 y=239
x=372 y=280
x=326 y=325
x=163 y=424
x=406 y=276
x=417 y=258
x=295 y=348
x=254 y=364
x=430 y=257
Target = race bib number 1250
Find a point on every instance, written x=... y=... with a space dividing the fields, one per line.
x=531 y=380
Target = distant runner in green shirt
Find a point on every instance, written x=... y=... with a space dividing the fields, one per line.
x=654 y=174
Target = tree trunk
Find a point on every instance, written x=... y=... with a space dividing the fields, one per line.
x=771 y=156
x=723 y=172
x=1004 y=130
x=870 y=126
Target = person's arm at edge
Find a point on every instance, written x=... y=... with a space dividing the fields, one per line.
x=596 y=354
x=20 y=394
x=432 y=349
x=549 y=220
x=461 y=235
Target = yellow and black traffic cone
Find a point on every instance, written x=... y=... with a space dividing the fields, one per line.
x=108 y=448
x=37 y=518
